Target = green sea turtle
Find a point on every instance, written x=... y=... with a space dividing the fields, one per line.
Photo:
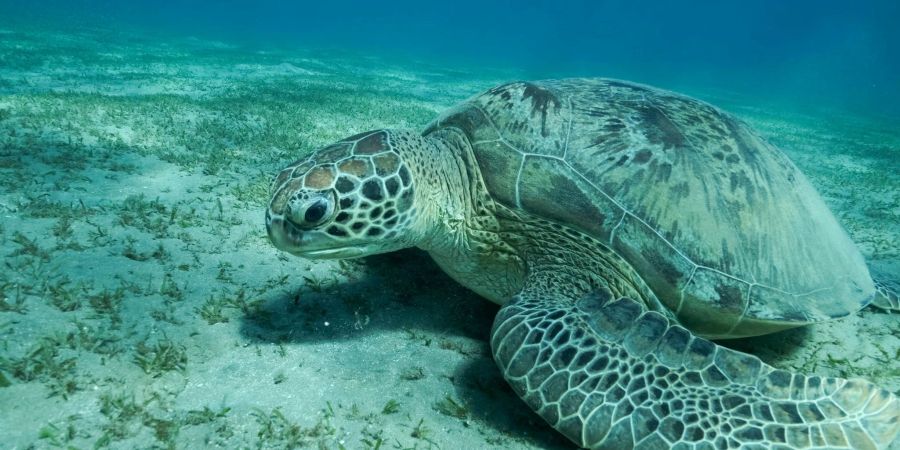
x=621 y=227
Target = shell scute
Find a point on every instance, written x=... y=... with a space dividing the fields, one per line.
x=716 y=220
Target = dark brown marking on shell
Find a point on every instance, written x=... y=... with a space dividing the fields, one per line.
x=662 y=171
x=726 y=259
x=681 y=190
x=502 y=90
x=614 y=125
x=660 y=130
x=540 y=102
x=663 y=266
x=632 y=241
x=320 y=177
x=739 y=180
x=642 y=156
x=598 y=140
x=595 y=112
x=359 y=168
x=730 y=296
x=747 y=150
x=374 y=143
x=386 y=164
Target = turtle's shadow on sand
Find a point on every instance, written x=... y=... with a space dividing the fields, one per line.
x=397 y=291
x=490 y=400
x=407 y=291
x=771 y=348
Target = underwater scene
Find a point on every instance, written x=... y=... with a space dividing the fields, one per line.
x=458 y=225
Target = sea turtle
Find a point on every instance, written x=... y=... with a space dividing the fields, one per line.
x=620 y=226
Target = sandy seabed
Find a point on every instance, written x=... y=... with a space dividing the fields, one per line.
x=141 y=305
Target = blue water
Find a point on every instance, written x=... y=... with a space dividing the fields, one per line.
x=814 y=53
x=143 y=306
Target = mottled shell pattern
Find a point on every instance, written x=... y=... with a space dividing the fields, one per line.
x=720 y=224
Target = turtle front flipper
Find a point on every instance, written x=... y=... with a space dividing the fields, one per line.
x=607 y=373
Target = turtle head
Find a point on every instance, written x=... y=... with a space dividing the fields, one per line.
x=350 y=199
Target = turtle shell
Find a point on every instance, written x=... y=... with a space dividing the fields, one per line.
x=721 y=225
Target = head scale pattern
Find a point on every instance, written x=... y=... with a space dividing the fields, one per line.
x=356 y=188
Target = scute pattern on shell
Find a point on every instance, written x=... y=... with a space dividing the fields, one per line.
x=714 y=218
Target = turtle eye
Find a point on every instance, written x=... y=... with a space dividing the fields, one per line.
x=311 y=212
x=315 y=212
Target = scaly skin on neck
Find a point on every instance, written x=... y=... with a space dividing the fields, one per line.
x=461 y=232
x=490 y=248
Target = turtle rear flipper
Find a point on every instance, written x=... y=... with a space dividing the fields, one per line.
x=608 y=373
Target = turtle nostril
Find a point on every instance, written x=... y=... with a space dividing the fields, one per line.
x=315 y=212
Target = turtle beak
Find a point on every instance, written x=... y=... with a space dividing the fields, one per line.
x=309 y=244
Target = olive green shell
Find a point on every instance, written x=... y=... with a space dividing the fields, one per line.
x=721 y=225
